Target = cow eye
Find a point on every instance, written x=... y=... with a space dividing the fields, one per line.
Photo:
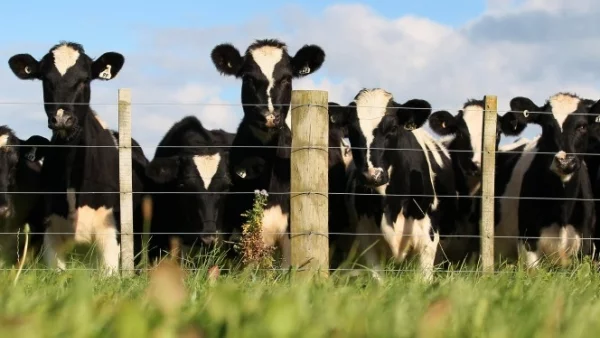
x=582 y=128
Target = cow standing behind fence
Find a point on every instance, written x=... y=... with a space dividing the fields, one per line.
x=463 y=137
x=266 y=70
x=84 y=162
x=197 y=175
x=20 y=166
x=557 y=212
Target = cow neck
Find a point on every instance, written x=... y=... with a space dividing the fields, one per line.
x=264 y=136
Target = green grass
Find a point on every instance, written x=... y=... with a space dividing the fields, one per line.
x=81 y=303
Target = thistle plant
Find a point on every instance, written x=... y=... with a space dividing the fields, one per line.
x=251 y=246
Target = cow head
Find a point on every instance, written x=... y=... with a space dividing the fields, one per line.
x=467 y=128
x=198 y=181
x=267 y=71
x=66 y=73
x=14 y=155
x=564 y=120
x=376 y=112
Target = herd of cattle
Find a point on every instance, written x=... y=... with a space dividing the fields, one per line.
x=415 y=195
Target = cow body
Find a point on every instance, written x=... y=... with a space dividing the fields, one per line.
x=84 y=165
x=20 y=166
x=260 y=156
x=405 y=208
x=463 y=137
x=198 y=172
x=556 y=215
x=339 y=173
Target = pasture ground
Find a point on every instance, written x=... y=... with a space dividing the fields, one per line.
x=81 y=303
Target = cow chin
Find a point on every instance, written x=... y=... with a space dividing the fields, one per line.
x=564 y=174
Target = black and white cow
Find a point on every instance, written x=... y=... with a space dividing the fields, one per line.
x=462 y=135
x=84 y=163
x=340 y=159
x=405 y=170
x=556 y=213
x=266 y=70
x=198 y=173
x=20 y=166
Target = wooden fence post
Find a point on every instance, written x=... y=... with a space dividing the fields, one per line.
x=309 y=183
x=488 y=173
x=125 y=182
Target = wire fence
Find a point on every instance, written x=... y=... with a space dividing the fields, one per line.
x=373 y=113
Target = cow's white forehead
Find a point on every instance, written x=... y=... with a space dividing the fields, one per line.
x=207 y=166
x=65 y=57
x=371 y=106
x=267 y=57
x=473 y=117
x=562 y=106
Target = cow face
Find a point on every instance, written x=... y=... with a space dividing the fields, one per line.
x=365 y=132
x=66 y=73
x=12 y=153
x=372 y=107
x=564 y=120
x=467 y=127
x=393 y=128
x=267 y=71
x=194 y=178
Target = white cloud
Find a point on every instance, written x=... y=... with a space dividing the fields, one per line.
x=531 y=48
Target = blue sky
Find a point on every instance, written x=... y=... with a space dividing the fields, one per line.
x=437 y=50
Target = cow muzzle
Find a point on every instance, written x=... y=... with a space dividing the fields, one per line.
x=376 y=177
x=61 y=120
x=564 y=165
x=272 y=120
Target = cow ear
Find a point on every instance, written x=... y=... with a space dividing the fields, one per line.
x=413 y=114
x=442 y=123
x=227 y=59
x=163 y=169
x=524 y=110
x=24 y=66
x=338 y=115
x=107 y=66
x=513 y=124
x=307 y=60
x=594 y=112
x=35 y=148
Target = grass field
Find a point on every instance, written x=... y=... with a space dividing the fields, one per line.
x=81 y=303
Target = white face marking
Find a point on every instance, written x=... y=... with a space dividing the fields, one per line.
x=60 y=112
x=562 y=106
x=267 y=57
x=3 y=140
x=473 y=116
x=371 y=106
x=207 y=167
x=65 y=57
